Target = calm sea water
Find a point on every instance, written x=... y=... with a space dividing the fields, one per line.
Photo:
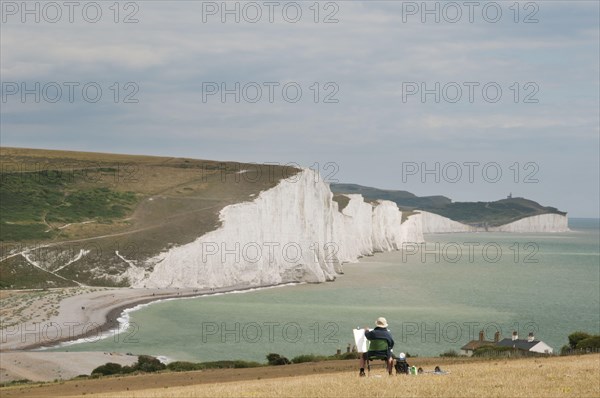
x=435 y=298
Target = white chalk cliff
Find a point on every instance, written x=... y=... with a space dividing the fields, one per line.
x=292 y=232
x=436 y=224
x=295 y=232
x=541 y=223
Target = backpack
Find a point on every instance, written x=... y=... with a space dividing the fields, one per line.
x=401 y=366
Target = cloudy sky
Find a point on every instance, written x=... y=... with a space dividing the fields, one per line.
x=470 y=100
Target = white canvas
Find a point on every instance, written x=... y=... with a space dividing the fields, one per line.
x=360 y=340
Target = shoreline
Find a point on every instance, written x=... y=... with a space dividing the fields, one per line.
x=112 y=313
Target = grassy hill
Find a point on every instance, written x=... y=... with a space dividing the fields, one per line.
x=54 y=204
x=493 y=214
x=574 y=376
x=404 y=199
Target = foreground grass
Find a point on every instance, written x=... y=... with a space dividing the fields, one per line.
x=531 y=377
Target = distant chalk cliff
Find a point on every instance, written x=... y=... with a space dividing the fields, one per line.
x=434 y=223
x=540 y=223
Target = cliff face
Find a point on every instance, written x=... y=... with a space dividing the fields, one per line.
x=541 y=223
x=292 y=232
x=433 y=223
x=436 y=224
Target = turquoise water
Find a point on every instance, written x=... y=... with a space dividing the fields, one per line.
x=546 y=283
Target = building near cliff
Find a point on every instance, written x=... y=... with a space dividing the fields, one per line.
x=472 y=345
x=523 y=346
x=528 y=345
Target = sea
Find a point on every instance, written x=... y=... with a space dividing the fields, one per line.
x=435 y=296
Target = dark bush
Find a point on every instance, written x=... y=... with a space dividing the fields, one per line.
x=309 y=358
x=576 y=337
x=590 y=342
x=128 y=369
x=183 y=366
x=351 y=355
x=449 y=354
x=347 y=355
x=230 y=364
x=245 y=364
x=146 y=363
x=492 y=351
x=565 y=350
x=109 y=368
x=15 y=382
x=276 y=359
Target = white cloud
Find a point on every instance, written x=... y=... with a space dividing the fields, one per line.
x=369 y=53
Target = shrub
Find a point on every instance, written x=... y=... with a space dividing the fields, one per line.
x=128 y=369
x=492 y=351
x=309 y=358
x=183 y=366
x=245 y=364
x=276 y=359
x=576 y=337
x=146 y=363
x=449 y=354
x=590 y=342
x=347 y=355
x=565 y=350
x=15 y=382
x=107 y=369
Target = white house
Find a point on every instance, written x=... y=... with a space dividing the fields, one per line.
x=531 y=344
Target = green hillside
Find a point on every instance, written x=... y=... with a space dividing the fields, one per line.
x=492 y=214
x=69 y=218
x=402 y=198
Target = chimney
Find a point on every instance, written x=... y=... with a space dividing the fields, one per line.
x=496 y=337
x=515 y=336
x=481 y=335
x=530 y=337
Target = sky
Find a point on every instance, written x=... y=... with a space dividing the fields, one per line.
x=472 y=100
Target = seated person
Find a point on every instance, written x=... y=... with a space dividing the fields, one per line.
x=379 y=333
x=401 y=364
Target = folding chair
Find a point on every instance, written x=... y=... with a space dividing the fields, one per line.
x=379 y=349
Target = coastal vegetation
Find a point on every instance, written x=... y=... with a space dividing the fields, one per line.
x=580 y=343
x=35 y=207
x=145 y=363
x=149 y=364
